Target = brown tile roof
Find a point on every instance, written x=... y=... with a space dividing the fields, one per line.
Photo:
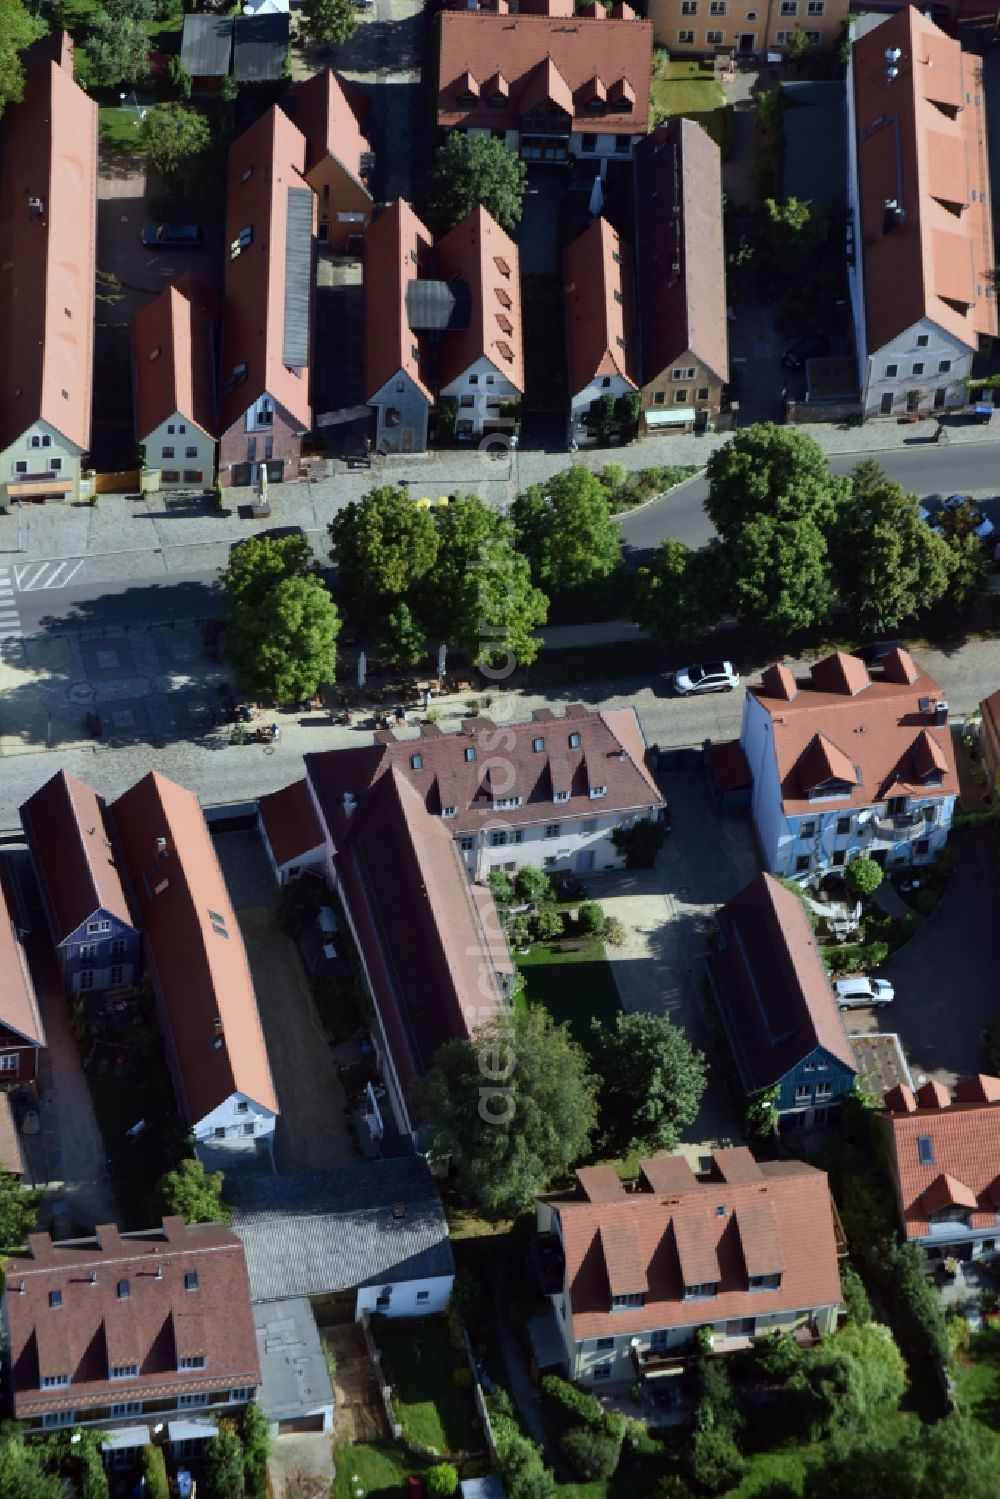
x=478 y=252
x=18 y=1002
x=772 y=985
x=266 y=163
x=93 y=1328
x=777 y=681
x=922 y=144
x=728 y=766
x=290 y=822
x=329 y=110
x=822 y=762
x=667 y=1174
x=899 y=666
x=48 y=248
x=958 y=1163
x=69 y=834
x=933 y=1095
x=397 y=249
x=734 y=1163
x=780 y=1223
x=900 y=1099
x=876 y=730
x=600 y=1183
x=173 y=361
x=610 y=754
x=543 y=58
x=680 y=261
x=198 y=959
x=600 y=307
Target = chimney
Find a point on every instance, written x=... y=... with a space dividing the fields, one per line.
x=940 y=713
x=39 y=1245
x=108 y=1238
x=93 y=1277
x=174 y=1228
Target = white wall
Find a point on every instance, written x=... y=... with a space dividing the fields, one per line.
x=185 y=435
x=314 y=859
x=486 y=383
x=904 y=352
x=605 y=145
x=608 y=385
x=571 y=849
x=404 y=1302
x=38 y=459
x=765 y=804
x=230 y=1117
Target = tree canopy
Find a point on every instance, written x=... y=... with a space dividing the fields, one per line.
x=257 y=563
x=173 y=135
x=18 y=29
x=467 y=171
x=192 y=1193
x=282 y=629
x=565 y=529
x=382 y=545
x=18 y=1213
x=329 y=22
x=671 y=595
x=513 y=1108
x=118 y=49
x=767 y=470
x=651 y=1081
x=779 y=572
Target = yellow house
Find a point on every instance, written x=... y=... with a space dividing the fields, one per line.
x=339 y=160
x=745 y=27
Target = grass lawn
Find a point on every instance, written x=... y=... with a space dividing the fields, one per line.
x=573 y=986
x=419 y=1362
x=979 y=1378
x=120 y=128
x=685 y=88
x=381 y=1471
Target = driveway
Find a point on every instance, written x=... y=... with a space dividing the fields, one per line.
x=667 y=912
x=946 y=977
x=313 y=1132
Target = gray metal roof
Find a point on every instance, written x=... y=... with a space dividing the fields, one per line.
x=260 y=48
x=325 y=1231
x=814 y=127
x=298 y=278
x=207 y=46
x=294 y=1378
x=438 y=305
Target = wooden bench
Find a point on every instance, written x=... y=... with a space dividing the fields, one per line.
x=573 y=944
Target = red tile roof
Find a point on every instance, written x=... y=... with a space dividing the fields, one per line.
x=728 y=766
x=543 y=58
x=18 y=1002
x=680 y=261
x=779 y=1222
x=600 y=1183
x=478 y=252
x=397 y=249
x=922 y=144
x=772 y=985
x=193 y=946
x=958 y=1163
x=600 y=308
x=69 y=834
x=329 y=110
x=869 y=730
x=48 y=249
x=290 y=823
x=266 y=163
x=174 y=361
x=154 y=1322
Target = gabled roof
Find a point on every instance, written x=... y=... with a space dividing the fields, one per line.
x=174 y=363
x=329 y=110
x=926 y=232
x=397 y=246
x=290 y=822
x=48 y=250
x=18 y=1002
x=68 y=830
x=946 y=1154
x=260 y=47
x=772 y=986
x=479 y=253
x=265 y=342
x=124 y=1298
x=779 y=1222
x=320 y=1232
x=207 y=46
x=872 y=724
x=194 y=943
x=542 y=58
x=680 y=261
x=600 y=308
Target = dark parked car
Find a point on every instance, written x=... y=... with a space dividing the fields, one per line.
x=812 y=346
x=173 y=237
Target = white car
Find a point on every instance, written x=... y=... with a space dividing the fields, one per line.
x=857 y=993
x=713 y=676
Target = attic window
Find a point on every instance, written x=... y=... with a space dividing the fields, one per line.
x=399 y=1210
x=220 y=930
x=504 y=323
x=765 y=1282
x=925 y=1150
x=597 y=791
x=242 y=242
x=630 y=1298
x=470 y=754
x=55 y=1299
x=123 y=1290
x=538 y=745
x=466 y=99
x=416 y=762
x=191 y=1280
x=574 y=741
x=561 y=796
x=701 y=1290
x=238 y=376
x=449 y=811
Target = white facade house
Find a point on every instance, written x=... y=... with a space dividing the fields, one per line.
x=182 y=452
x=237 y=1129
x=41 y=463
x=173 y=376
x=479 y=391
x=849 y=762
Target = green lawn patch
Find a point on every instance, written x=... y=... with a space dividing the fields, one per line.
x=380 y=1470
x=119 y=128
x=685 y=88
x=978 y=1378
x=573 y=986
x=419 y=1362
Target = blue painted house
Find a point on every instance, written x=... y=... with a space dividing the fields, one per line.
x=93 y=931
x=777 y=1005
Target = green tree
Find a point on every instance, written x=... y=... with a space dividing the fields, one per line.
x=399 y=637
x=495 y=611
x=467 y=171
x=669 y=594
x=18 y=29
x=879 y=1361
x=532 y=884
x=863 y=876
x=593 y=1451
x=714 y=1461
x=119 y=50
x=651 y=1082
x=224 y=1465
x=513 y=1108
x=258 y=563
x=18 y=1213
x=968 y=559
x=329 y=22
x=286 y=646
x=797 y=44
x=463 y=529
x=173 y=137
x=779 y=573
x=957 y=1456
x=889 y=563
x=795 y=228
x=565 y=529
x=852 y=1288
x=154 y=1473
x=382 y=545
x=192 y=1193
x=255 y=1433
x=767 y=470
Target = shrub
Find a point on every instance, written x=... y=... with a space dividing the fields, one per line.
x=154 y=1473
x=568 y=1405
x=899 y=1270
x=461 y=1377
x=224 y=1466
x=593 y=1451
x=256 y=1436
x=862 y=876
x=672 y=1486
x=502 y=886
x=852 y=1288
x=531 y=884
x=441 y=1479
x=548 y=923
x=640 y=843
x=927 y=901
x=714 y=1462
x=591 y=918
x=614 y=932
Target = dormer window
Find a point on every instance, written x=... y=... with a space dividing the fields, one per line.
x=574 y=741
x=501 y=803
x=598 y=791
x=560 y=796
x=192 y=1361
x=595 y=106
x=765 y=1282
x=470 y=755
x=54 y=1381
x=628 y=1299
x=497 y=101
x=124 y=1371
x=449 y=811
x=701 y=1290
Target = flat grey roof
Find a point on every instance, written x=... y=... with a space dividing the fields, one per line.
x=260 y=48
x=293 y=1372
x=881 y=1061
x=320 y=1232
x=814 y=128
x=207 y=46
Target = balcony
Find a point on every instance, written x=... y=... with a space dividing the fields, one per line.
x=901 y=829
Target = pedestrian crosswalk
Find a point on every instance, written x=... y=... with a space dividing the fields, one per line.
x=32 y=576
x=10 y=620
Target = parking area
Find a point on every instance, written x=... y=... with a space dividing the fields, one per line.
x=313 y=1132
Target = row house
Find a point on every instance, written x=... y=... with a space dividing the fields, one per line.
x=174 y=385
x=634 y=1272
x=48 y=259
x=743 y=28
x=441 y=322
x=848 y=761
x=777 y=1007
x=330 y=111
x=920 y=247
x=22 y=1035
x=549 y=86
x=146 y=1336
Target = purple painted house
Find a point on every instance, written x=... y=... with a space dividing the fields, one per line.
x=69 y=835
